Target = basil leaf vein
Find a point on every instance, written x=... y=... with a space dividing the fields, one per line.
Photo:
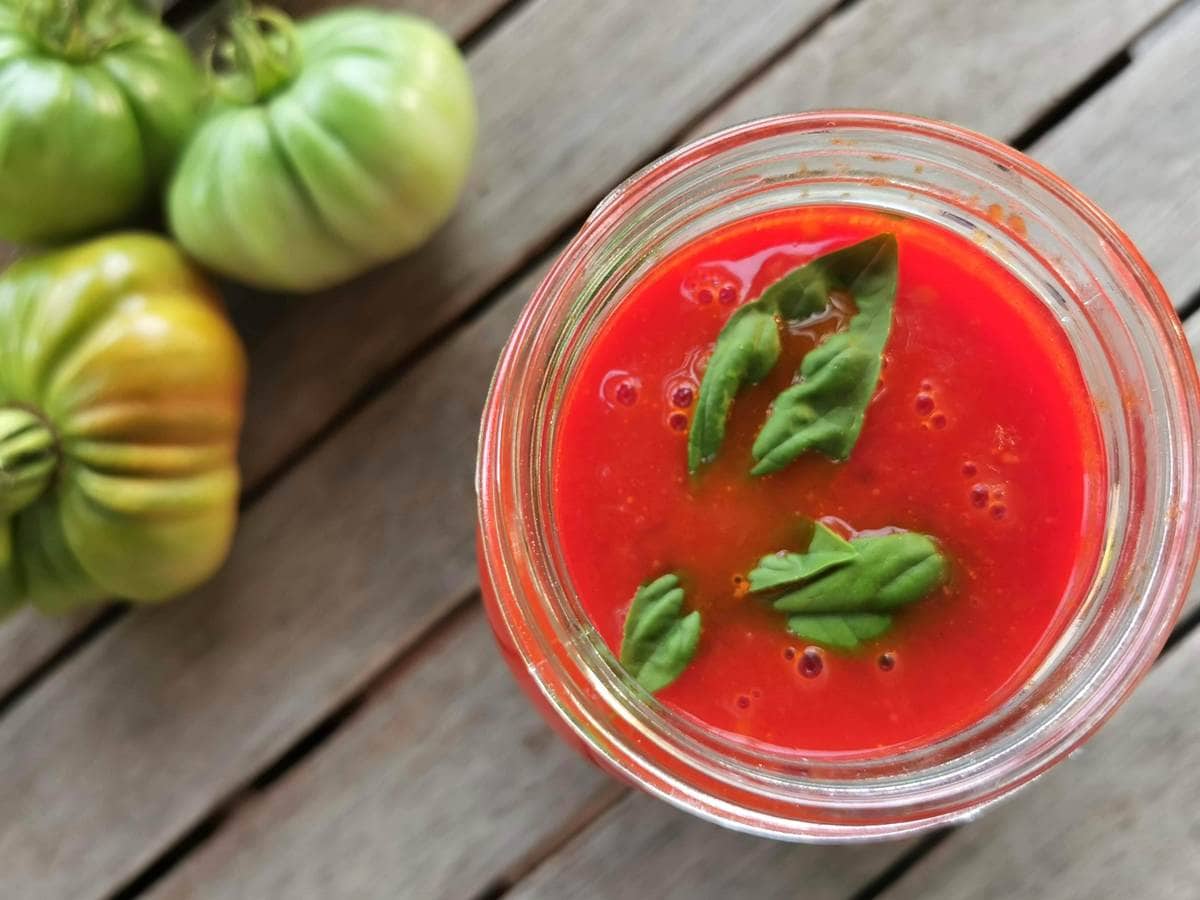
x=889 y=571
x=845 y=631
x=841 y=593
x=826 y=550
x=825 y=411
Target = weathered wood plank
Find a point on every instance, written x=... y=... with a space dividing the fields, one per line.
x=140 y=735
x=644 y=848
x=1119 y=820
x=337 y=569
x=27 y=640
x=1008 y=61
x=452 y=746
x=1133 y=150
x=1075 y=834
x=1012 y=61
x=303 y=848
x=571 y=96
x=994 y=67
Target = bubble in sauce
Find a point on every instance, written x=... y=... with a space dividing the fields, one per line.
x=811 y=663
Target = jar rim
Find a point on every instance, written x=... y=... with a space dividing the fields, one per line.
x=731 y=785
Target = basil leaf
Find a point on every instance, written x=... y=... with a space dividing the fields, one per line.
x=748 y=347
x=826 y=550
x=659 y=641
x=826 y=409
x=888 y=571
x=844 y=631
x=805 y=291
x=746 y=350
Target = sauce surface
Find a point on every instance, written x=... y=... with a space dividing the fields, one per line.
x=981 y=434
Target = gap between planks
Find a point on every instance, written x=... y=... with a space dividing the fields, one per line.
x=606 y=799
x=187 y=13
x=471 y=312
x=1187 y=624
x=541 y=255
x=1102 y=75
x=341 y=716
x=199 y=643
x=198 y=17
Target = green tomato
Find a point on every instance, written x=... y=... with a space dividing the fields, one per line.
x=121 y=395
x=93 y=111
x=341 y=143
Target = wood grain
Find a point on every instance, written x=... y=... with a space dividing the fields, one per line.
x=27 y=640
x=155 y=723
x=994 y=67
x=571 y=96
x=1132 y=148
x=545 y=147
x=644 y=848
x=475 y=774
x=1006 y=61
x=336 y=570
x=1119 y=820
x=239 y=847
x=1097 y=826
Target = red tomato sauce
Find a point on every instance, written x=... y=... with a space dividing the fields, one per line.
x=981 y=434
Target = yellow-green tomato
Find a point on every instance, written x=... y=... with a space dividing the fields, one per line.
x=93 y=111
x=339 y=143
x=121 y=393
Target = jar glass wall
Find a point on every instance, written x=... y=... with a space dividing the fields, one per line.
x=1138 y=370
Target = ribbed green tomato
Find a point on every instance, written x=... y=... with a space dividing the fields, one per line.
x=342 y=142
x=93 y=110
x=121 y=393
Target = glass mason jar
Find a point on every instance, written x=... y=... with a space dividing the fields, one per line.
x=1139 y=372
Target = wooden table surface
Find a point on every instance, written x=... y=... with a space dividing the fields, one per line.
x=328 y=718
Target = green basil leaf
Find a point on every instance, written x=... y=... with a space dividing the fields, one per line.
x=825 y=410
x=826 y=550
x=805 y=291
x=659 y=641
x=888 y=571
x=746 y=350
x=842 y=630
